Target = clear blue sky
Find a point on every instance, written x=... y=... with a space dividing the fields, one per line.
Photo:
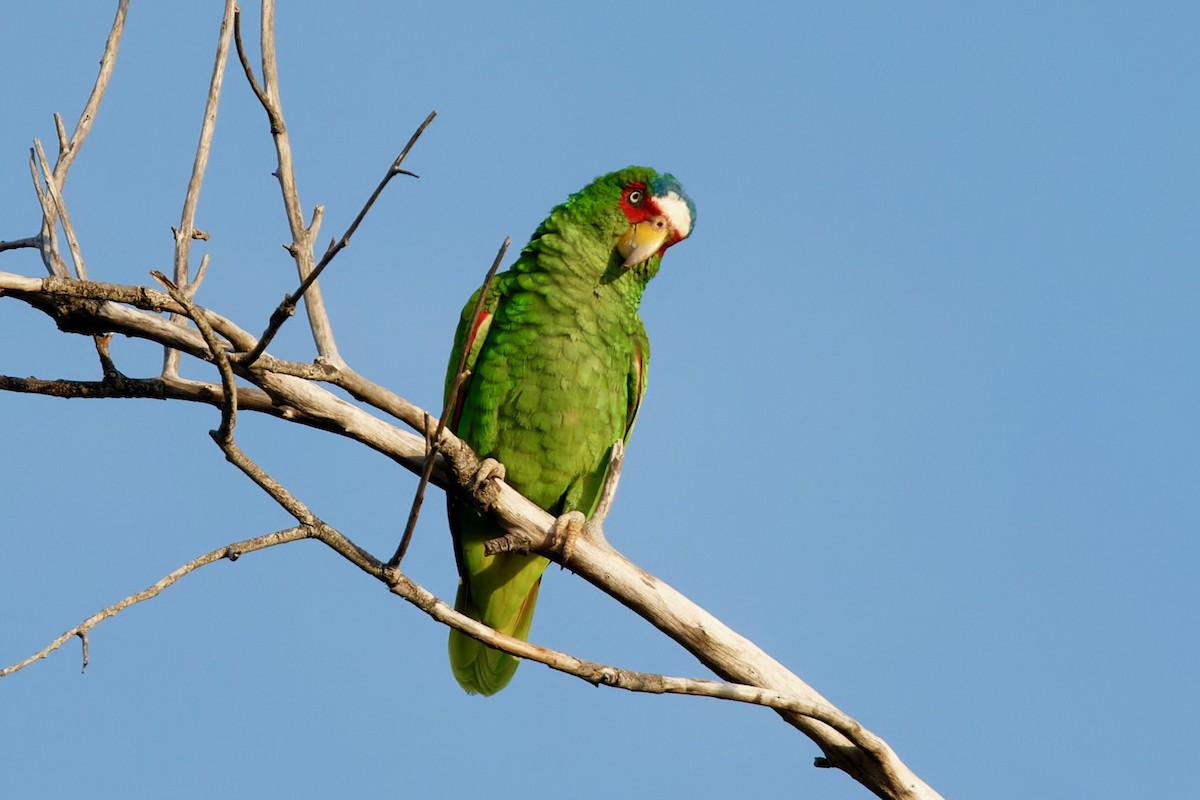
x=922 y=415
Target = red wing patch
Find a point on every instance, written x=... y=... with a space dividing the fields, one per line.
x=637 y=385
x=474 y=338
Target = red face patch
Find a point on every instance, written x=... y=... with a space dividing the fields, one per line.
x=637 y=203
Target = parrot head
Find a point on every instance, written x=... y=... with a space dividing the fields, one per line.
x=659 y=215
x=627 y=218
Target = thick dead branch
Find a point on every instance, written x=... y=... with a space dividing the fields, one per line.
x=729 y=655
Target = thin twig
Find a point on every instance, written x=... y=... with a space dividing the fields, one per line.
x=184 y=233
x=48 y=238
x=223 y=436
x=15 y=244
x=194 y=284
x=417 y=595
x=187 y=228
x=287 y=307
x=460 y=377
x=249 y=70
x=616 y=460
x=61 y=131
x=230 y=551
x=107 y=367
x=68 y=149
x=336 y=246
x=228 y=384
x=301 y=247
x=88 y=116
x=61 y=207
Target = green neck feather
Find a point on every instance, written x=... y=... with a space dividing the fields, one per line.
x=576 y=244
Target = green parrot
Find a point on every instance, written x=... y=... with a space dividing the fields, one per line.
x=557 y=358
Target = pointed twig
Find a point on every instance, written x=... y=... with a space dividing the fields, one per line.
x=88 y=116
x=246 y=67
x=432 y=443
x=187 y=229
x=194 y=284
x=616 y=460
x=301 y=247
x=288 y=306
x=48 y=238
x=61 y=130
x=60 y=206
x=228 y=384
x=15 y=244
x=68 y=149
x=230 y=551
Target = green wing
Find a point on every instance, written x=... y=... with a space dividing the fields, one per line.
x=501 y=590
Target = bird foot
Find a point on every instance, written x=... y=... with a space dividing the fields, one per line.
x=482 y=486
x=489 y=469
x=565 y=532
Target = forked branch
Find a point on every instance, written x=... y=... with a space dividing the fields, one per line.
x=287 y=308
x=187 y=231
x=303 y=234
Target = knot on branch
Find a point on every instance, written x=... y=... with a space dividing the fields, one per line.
x=461 y=460
x=77 y=315
x=391 y=576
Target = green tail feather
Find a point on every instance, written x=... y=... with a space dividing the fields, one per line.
x=477 y=667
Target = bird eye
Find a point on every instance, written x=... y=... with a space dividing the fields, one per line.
x=635 y=197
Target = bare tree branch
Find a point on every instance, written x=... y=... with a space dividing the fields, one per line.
x=60 y=210
x=68 y=149
x=431 y=442
x=15 y=244
x=287 y=307
x=590 y=671
x=118 y=385
x=48 y=238
x=87 y=117
x=187 y=229
x=301 y=247
x=231 y=552
x=731 y=656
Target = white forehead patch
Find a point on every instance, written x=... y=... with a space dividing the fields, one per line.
x=676 y=209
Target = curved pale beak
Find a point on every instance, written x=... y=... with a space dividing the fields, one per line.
x=643 y=239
